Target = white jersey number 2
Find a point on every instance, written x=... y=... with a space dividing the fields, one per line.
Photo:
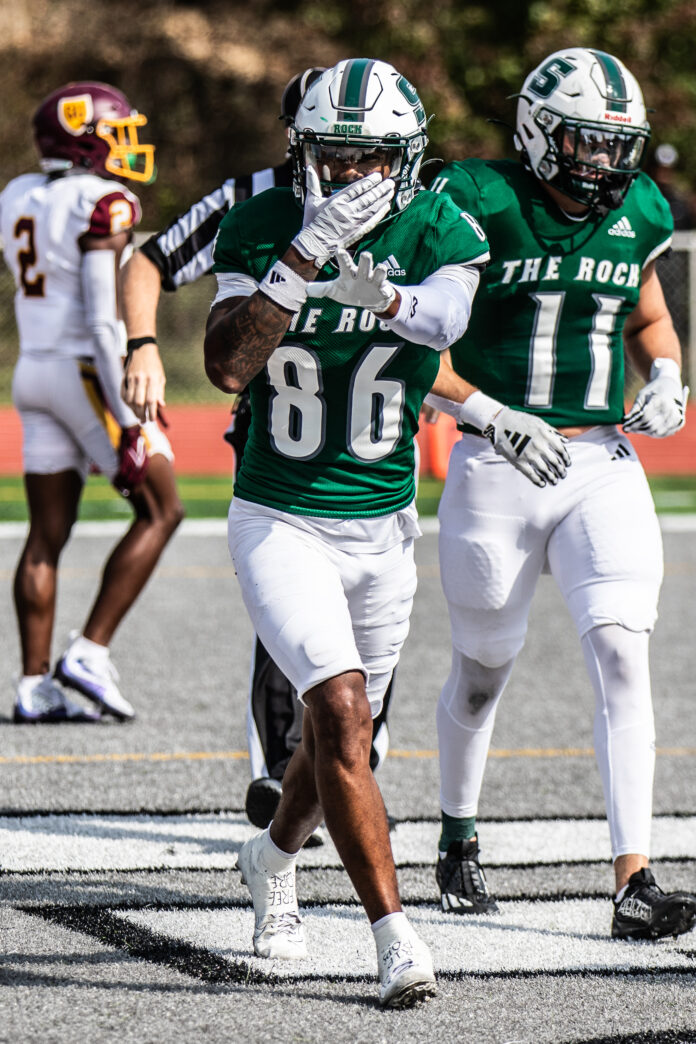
x=298 y=408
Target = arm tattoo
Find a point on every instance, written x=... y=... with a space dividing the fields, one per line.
x=239 y=341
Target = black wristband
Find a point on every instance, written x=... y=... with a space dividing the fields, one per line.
x=137 y=342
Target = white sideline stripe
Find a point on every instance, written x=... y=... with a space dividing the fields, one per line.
x=570 y=936
x=197 y=527
x=211 y=842
x=213 y=527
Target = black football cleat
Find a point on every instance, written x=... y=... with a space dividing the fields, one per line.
x=646 y=912
x=462 y=882
x=262 y=800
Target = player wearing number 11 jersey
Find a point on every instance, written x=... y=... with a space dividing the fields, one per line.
x=574 y=231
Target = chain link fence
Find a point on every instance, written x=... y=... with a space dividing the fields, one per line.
x=678 y=277
x=182 y=315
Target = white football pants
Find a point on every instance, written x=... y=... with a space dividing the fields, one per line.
x=597 y=533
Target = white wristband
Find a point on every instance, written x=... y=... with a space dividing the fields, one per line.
x=479 y=410
x=665 y=368
x=284 y=287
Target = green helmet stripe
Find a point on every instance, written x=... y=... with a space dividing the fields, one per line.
x=353 y=91
x=617 y=94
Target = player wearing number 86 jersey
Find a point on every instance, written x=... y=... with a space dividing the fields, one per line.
x=339 y=352
x=334 y=416
x=575 y=230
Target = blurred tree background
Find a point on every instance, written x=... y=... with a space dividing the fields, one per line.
x=209 y=76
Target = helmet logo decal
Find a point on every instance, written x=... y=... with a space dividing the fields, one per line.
x=347 y=128
x=408 y=91
x=550 y=75
x=75 y=113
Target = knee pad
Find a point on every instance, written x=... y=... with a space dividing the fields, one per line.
x=472 y=691
x=618 y=664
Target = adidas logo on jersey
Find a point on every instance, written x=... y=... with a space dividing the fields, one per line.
x=393 y=267
x=622 y=227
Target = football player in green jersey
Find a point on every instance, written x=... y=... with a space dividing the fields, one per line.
x=574 y=231
x=339 y=356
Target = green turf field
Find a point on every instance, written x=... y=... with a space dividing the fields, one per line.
x=209 y=496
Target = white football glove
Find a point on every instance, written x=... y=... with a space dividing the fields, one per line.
x=340 y=220
x=660 y=406
x=362 y=285
x=533 y=446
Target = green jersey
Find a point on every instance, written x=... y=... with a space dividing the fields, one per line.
x=545 y=333
x=335 y=410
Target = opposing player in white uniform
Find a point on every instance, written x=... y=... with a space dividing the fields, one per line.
x=338 y=356
x=64 y=231
x=574 y=232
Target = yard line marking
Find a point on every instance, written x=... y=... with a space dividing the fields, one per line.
x=210 y=841
x=79 y=759
x=241 y=755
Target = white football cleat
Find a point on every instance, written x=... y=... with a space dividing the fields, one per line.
x=278 y=930
x=40 y=700
x=90 y=671
x=405 y=972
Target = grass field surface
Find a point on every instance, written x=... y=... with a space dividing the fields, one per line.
x=208 y=496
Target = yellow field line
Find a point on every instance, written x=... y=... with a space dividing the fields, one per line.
x=76 y=759
x=241 y=755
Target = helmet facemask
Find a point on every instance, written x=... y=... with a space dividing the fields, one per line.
x=127 y=157
x=340 y=161
x=592 y=163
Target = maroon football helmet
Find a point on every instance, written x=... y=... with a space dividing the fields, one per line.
x=92 y=125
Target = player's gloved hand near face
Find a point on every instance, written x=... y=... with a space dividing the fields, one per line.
x=335 y=222
x=528 y=442
x=133 y=460
x=660 y=406
x=361 y=284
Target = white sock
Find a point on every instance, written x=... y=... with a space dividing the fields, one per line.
x=31 y=680
x=275 y=858
x=25 y=687
x=389 y=928
x=621 y=893
x=86 y=645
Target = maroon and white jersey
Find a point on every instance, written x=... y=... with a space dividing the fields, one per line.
x=42 y=219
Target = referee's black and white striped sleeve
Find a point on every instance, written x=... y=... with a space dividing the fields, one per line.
x=183 y=251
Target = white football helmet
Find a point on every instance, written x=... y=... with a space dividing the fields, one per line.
x=581 y=126
x=361 y=115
